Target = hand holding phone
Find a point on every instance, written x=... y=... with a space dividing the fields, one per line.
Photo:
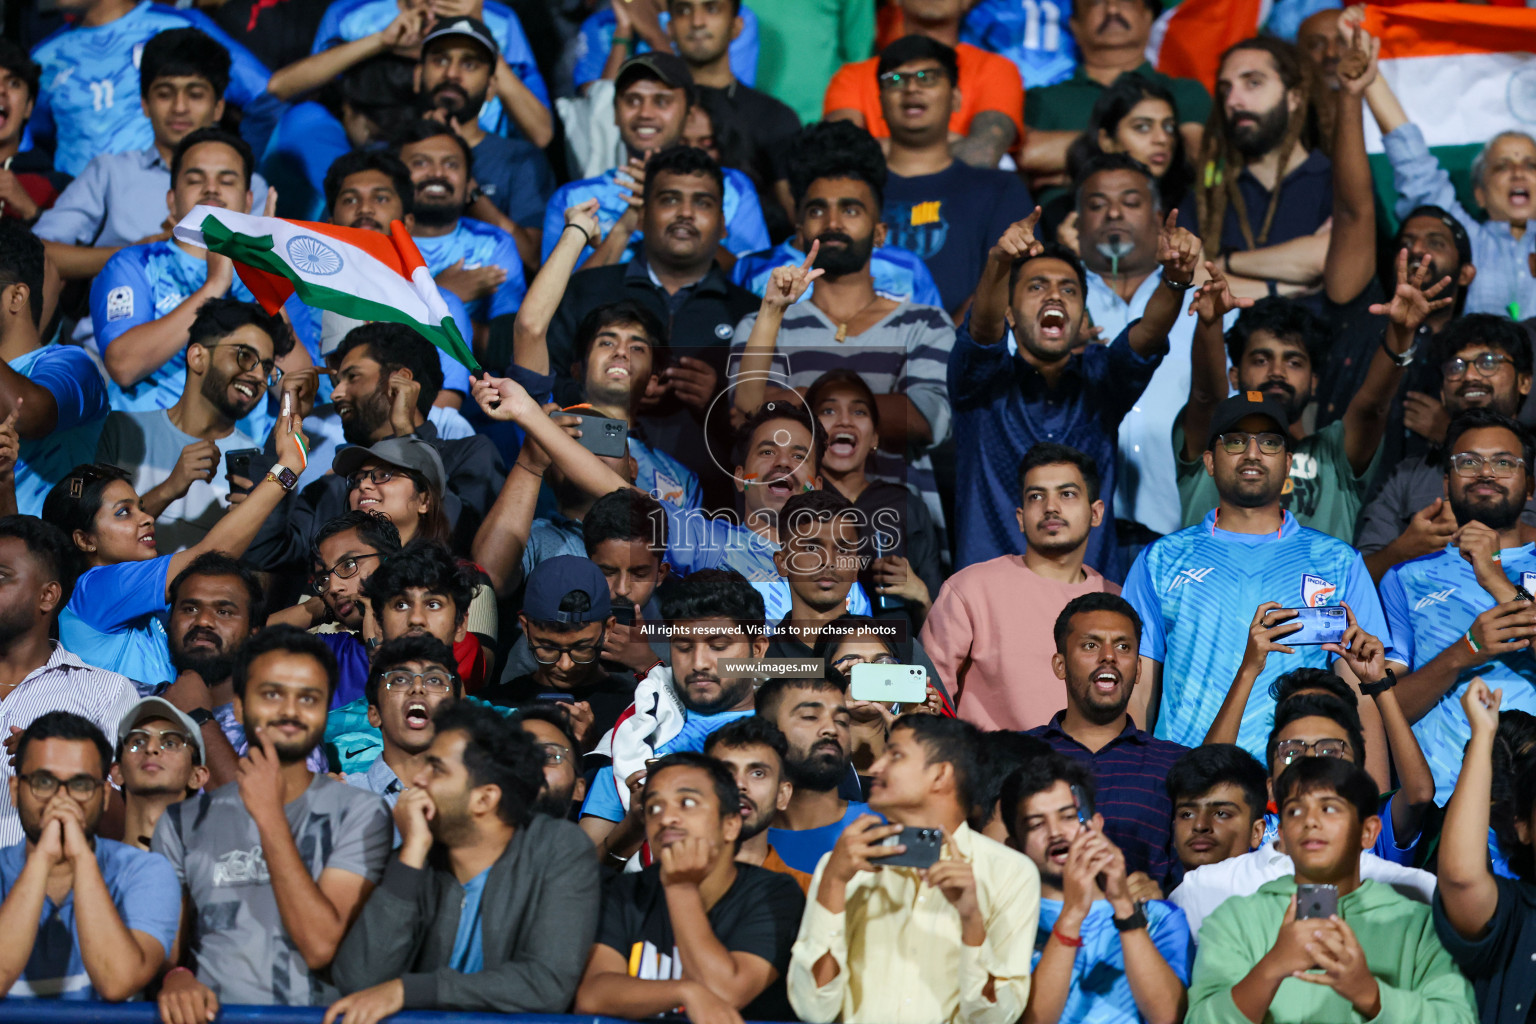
x=1319 y=626
x=1316 y=902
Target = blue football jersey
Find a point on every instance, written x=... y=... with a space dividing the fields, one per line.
x=145 y=282
x=1430 y=603
x=900 y=275
x=1196 y=592
x=595 y=39
x=348 y=20
x=1031 y=33
x=745 y=230
x=479 y=244
x=88 y=99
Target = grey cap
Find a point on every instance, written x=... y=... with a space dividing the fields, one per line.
x=159 y=707
x=471 y=28
x=406 y=452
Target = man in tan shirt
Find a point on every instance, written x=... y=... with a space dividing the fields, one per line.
x=898 y=945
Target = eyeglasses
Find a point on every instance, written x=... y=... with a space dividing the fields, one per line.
x=1287 y=751
x=345 y=569
x=1500 y=467
x=1487 y=364
x=1236 y=443
x=581 y=654
x=169 y=741
x=379 y=476
x=248 y=358
x=554 y=753
x=45 y=784
x=928 y=78
x=432 y=682
x=847 y=661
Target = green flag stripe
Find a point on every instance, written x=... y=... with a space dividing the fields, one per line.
x=258 y=251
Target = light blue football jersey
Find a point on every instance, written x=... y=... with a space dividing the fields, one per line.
x=900 y=275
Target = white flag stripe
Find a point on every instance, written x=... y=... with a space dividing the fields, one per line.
x=1461 y=99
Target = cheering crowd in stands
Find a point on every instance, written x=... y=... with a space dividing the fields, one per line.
x=948 y=525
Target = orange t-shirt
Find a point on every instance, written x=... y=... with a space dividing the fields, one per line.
x=987 y=82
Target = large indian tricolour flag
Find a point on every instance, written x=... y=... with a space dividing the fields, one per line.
x=1464 y=72
x=361 y=274
x=1187 y=41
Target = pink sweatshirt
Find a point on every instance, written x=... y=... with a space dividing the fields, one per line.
x=990 y=637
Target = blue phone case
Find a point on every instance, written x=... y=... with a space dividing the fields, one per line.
x=1318 y=626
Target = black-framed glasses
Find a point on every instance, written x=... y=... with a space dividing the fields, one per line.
x=1471 y=464
x=1237 y=442
x=1486 y=364
x=345 y=569
x=1287 y=751
x=581 y=654
x=45 y=784
x=847 y=661
x=926 y=78
x=433 y=680
x=378 y=476
x=248 y=359
x=554 y=753
x=168 y=740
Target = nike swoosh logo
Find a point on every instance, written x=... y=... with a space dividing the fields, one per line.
x=356 y=751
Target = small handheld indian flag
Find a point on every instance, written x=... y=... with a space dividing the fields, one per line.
x=357 y=273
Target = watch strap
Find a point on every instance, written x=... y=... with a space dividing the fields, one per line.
x=1403 y=359
x=284 y=477
x=1136 y=919
x=1380 y=686
x=202 y=716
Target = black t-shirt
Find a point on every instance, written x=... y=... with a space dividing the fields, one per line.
x=759 y=914
x=951 y=219
x=609 y=696
x=765 y=127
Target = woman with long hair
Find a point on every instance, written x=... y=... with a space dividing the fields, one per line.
x=116 y=616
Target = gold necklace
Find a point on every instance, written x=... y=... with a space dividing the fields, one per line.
x=842 y=327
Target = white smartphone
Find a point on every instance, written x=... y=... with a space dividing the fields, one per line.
x=889 y=684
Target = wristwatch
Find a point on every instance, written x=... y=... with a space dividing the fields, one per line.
x=202 y=716
x=1136 y=919
x=1521 y=594
x=284 y=477
x=1406 y=359
x=1380 y=686
x=1178 y=286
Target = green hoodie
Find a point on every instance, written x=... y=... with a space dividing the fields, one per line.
x=1420 y=984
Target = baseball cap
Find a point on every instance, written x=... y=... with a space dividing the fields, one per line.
x=159 y=707
x=406 y=452
x=1244 y=404
x=554 y=578
x=667 y=68
x=472 y=28
x=1458 y=232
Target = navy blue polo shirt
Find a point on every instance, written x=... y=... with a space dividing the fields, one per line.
x=1306 y=201
x=1130 y=771
x=1003 y=407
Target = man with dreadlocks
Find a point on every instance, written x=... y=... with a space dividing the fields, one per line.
x=1264 y=190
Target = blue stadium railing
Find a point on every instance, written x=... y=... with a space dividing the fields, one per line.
x=62 y=1011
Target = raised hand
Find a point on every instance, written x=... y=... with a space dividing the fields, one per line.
x=288 y=438
x=693 y=381
x=1481 y=706
x=195 y=464
x=1214 y=299
x=584 y=216
x=10 y=443
x=1357 y=67
x=1018 y=241
x=502 y=398
x=858 y=848
x=1178 y=250
x=403 y=394
x=1411 y=301
x=787 y=284
x=1425 y=415
x=261 y=780
x=1363 y=652
x=407 y=30
x=957 y=881
x=1335 y=949
x=1265 y=633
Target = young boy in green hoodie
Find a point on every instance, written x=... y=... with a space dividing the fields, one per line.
x=1376 y=959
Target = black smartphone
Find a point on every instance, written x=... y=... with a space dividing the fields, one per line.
x=1316 y=902
x=237 y=462
x=624 y=613
x=556 y=698
x=1318 y=625
x=608 y=438
x=1084 y=805
x=923 y=846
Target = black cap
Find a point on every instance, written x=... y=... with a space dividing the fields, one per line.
x=473 y=28
x=552 y=579
x=666 y=68
x=1458 y=231
x=1244 y=404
